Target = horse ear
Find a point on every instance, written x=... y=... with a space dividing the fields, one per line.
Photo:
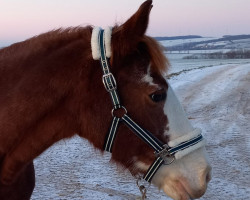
x=137 y=24
x=126 y=37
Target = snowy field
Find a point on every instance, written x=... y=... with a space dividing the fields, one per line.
x=216 y=99
x=225 y=44
x=178 y=63
x=170 y=43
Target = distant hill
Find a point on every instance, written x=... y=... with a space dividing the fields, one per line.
x=201 y=43
x=236 y=37
x=178 y=37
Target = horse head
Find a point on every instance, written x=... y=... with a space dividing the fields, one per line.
x=138 y=64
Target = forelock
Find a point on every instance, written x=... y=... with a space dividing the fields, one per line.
x=159 y=62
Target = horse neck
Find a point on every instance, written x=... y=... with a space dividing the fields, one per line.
x=53 y=92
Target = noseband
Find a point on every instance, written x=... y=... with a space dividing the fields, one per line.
x=165 y=153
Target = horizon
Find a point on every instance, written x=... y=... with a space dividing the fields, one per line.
x=209 y=18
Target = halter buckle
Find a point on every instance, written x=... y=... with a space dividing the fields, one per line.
x=165 y=155
x=109 y=82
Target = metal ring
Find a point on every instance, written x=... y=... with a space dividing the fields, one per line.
x=112 y=111
x=141 y=182
x=168 y=161
x=167 y=157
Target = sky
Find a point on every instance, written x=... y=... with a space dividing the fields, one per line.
x=21 y=19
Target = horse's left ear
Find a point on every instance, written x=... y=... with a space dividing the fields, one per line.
x=126 y=37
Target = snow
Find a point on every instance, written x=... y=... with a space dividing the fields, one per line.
x=216 y=99
x=178 y=64
x=170 y=43
x=209 y=42
x=231 y=44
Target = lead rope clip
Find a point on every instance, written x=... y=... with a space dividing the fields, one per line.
x=142 y=188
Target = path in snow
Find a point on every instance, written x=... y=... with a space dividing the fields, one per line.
x=216 y=99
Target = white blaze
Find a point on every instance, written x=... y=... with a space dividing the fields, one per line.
x=188 y=173
x=179 y=124
x=149 y=79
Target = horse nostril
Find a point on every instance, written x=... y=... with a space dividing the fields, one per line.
x=208 y=174
x=208 y=177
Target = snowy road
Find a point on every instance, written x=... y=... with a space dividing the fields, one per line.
x=216 y=99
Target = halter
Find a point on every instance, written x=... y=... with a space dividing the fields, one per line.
x=165 y=153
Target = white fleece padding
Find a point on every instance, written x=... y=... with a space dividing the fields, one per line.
x=107 y=36
x=190 y=149
x=184 y=138
x=96 y=52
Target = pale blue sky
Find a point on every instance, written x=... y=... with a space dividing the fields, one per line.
x=21 y=19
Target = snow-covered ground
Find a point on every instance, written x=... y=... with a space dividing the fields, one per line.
x=228 y=44
x=210 y=43
x=169 y=43
x=178 y=63
x=216 y=99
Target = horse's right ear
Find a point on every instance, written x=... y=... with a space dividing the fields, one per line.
x=126 y=37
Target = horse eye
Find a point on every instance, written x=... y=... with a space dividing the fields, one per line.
x=157 y=97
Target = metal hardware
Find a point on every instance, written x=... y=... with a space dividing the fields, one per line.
x=143 y=189
x=105 y=66
x=165 y=155
x=109 y=82
x=114 y=109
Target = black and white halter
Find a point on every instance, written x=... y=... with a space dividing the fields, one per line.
x=165 y=154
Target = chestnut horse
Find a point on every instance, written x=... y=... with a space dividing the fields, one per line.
x=51 y=89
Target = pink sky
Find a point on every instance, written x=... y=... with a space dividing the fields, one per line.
x=22 y=19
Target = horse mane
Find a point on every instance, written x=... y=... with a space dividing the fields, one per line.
x=52 y=39
x=160 y=63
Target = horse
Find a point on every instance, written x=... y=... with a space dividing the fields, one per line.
x=51 y=89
